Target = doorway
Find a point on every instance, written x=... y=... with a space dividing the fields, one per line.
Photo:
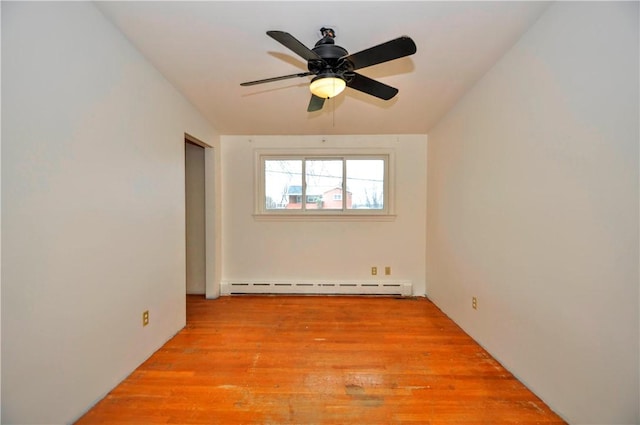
x=195 y=213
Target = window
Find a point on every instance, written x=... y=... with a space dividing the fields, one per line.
x=321 y=185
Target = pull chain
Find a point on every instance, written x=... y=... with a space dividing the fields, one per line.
x=333 y=113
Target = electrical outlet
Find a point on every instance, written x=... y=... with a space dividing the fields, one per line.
x=387 y=270
x=145 y=318
x=474 y=303
x=374 y=271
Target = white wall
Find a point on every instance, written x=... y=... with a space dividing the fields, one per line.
x=92 y=209
x=213 y=219
x=278 y=250
x=533 y=208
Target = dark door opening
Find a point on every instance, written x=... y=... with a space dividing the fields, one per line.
x=195 y=218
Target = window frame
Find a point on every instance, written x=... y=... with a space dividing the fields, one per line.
x=385 y=214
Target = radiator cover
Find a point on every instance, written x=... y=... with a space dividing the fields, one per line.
x=396 y=287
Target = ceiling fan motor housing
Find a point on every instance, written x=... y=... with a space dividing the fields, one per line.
x=330 y=54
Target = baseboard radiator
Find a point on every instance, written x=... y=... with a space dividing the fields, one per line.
x=400 y=288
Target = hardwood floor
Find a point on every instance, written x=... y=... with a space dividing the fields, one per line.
x=319 y=360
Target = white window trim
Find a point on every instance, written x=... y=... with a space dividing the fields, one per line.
x=262 y=214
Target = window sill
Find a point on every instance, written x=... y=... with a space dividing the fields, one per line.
x=324 y=217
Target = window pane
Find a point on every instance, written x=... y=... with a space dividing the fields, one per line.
x=283 y=184
x=324 y=180
x=365 y=184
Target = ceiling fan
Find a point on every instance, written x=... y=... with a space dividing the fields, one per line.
x=334 y=67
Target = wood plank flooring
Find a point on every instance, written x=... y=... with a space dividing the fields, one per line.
x=319 y=360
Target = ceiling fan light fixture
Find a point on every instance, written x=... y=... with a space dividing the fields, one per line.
x=332 y=66
x=327 y=86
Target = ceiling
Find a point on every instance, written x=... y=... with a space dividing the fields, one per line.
x=207 y=48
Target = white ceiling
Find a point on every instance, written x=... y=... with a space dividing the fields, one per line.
x=206 y=49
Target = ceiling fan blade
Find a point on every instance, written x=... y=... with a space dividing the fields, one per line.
x=292 y=43
x=268 y=80
x=394 y=49
x=315 y=104
x=374 y=88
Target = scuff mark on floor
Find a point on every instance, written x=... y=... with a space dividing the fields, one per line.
x=359 y=395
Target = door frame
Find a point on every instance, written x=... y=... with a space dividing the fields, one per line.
x=213 y=220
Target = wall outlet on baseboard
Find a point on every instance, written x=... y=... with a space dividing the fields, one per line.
x=374 y=271
x=474 y=303
x=145 y=318
x=387 y=270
